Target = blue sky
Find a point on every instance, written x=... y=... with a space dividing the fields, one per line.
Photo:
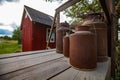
x=11 y=11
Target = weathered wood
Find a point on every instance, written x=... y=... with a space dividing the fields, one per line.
x=38 y=72
x=51 y=30
x=48 y=71
x=109 y=10
x=57 y=14
x=48 y=66
x=113 y=36
x=25 y=57
x=69 y=74
x=57 y=21
x=3 y=56
x=102 y=72
x=24 y=63
x=107 y=14
x=66 y=5
x=99 y=74
x=105 y=9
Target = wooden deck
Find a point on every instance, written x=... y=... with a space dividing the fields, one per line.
x=47 y=65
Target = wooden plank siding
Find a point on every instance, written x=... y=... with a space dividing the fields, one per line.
x=39 y=36
x=34 y=27
x=26 y=35
x=39 y=40
x=34 y=36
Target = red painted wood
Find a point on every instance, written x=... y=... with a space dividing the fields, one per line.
x=39 y=37
x=34 y=36
x=26 y=35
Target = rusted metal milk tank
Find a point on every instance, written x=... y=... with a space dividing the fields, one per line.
x=101 y=31
x=60 y=33
x=66 y=45
x=100 y=28
x=83 y=54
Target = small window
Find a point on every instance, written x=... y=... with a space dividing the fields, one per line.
x=52 y=40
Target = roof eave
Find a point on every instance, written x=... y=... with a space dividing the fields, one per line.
x=28 y=13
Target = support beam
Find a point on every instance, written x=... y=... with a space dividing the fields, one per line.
x=57 y=21
x=105 y=9
x=108 y=8
x=66 y=5
x=51 y=30
x=113 y=35
x=61 y=8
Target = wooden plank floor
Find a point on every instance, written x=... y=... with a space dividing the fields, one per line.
x=102 y=72
x=46 y=65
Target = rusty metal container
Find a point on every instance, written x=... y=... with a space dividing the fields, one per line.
x=101 y=32
x=60 y=33
x=66 y=45
x=100 y=29
x=83 y=54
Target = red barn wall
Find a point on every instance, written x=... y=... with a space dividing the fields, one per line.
x=39 y=36
x=26 y=35
x=34 y=36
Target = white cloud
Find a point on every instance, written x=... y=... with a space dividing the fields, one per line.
x=7 y=27
x=12 y=12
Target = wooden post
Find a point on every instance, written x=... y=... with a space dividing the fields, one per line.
x=57 y=20
x=66 y=5
x=57 y=27
x=113 y=36
x=51 y=30
x=108 y=7
x=57 y=14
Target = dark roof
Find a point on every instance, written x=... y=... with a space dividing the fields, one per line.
x=39 y=17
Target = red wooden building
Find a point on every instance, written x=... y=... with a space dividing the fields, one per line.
x=35 y=28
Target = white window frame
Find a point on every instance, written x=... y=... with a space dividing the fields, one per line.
x=52 y=36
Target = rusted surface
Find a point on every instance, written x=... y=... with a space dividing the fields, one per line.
x=82 y=28
x=66 y=46
x=83 y=54
x=101 y=32
x=100 y=29
x=60 y=33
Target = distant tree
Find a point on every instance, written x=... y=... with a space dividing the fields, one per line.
x=117 y=1
x=117 y=8
x=1 y=37
x=6 y=37
x=17 y=35
x=81 y=8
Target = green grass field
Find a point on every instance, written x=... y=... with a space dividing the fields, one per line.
x=9 y=46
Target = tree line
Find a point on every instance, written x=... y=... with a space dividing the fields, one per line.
x=15 y=36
